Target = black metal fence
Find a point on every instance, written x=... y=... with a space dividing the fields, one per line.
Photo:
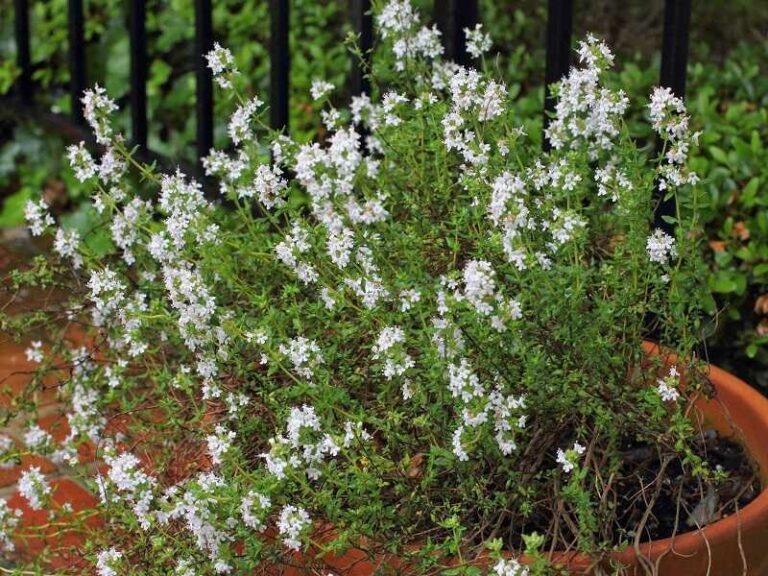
x=452 y=17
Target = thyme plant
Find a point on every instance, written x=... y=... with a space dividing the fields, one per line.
x=422 y=335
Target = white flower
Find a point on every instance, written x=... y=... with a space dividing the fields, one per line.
x=37 y=439
x=667 y=387
x=588 y=114
x=222 y=64
x=81 y=161
x=510 y=567
x=292 y=523
x=408 y=298
x=479 y=285
x=250 y=518
x=478 y=43
x=389 y=337
x=33 y=487
x=353 y=432
x=389 y=347
x=35 y=352
x=9 y=520
x=239 y=127
x=458 y=447
x=37 y=216
x=304 y=354
x=135 y=485
x=661 y=246
x=219 y=443
x=107 y=561
x=568 y=459
x=463 y=382
x=66 y=244
x=300 y=418
x=97 y=107
x=269 y=185
x=320 y=88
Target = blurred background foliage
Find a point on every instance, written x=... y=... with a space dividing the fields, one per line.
x=727 y=97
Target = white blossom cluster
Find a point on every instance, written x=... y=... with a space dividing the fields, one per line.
x=390 y=348
x=239 y=128
x=305 y=356
x=478 y=406
x=197 y=507
x=481 y=293
x=34 y=352
x=510 y=567
x=320 y=89
x=219 y=443
x=569 y=459
x=303 y=447
x=66 y=244
x=108 y=562
x=661 y=247
x=81 y=161
x=97 y=108
x=37 y=216
x=478 y=42
x=34 y=487
x=292 y=524
x=9 y=520
x=587 y=114
x=399 y=21
x=38 y=440
x=254 y=508
x=86 y=418
x=667 y=387
x=671 y=122
x=222 y=65
x=131 y=485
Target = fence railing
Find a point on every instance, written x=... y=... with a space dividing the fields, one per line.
x=452 y=16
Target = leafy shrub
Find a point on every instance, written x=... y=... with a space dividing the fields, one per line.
x=433 y=329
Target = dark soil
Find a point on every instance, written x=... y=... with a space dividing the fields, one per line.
x=685 y=503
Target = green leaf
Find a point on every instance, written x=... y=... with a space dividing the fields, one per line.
x=718 y=154
x=12 y=213
x=748 y=195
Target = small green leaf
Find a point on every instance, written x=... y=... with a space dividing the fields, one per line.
x=718 y=154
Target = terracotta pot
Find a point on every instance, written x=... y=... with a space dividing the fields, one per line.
x=734 y=546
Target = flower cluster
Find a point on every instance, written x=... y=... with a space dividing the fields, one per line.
x=667 y=387
x=671 y=122
x=34 y=487
x=569 y=459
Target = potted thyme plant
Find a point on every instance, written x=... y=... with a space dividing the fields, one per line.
x=415 y=346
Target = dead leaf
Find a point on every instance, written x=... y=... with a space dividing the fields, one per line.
x=740 y=229
x=705 y=511
x=416 y=466
x=761 y=305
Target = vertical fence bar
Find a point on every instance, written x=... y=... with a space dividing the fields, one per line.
x=204 y=77
x=362 y=23
x=23 y=58
x=674 y=62
x=76 y=58
x=558 y=44
x=452 y=17
x=279 y=63
x=138 y=36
